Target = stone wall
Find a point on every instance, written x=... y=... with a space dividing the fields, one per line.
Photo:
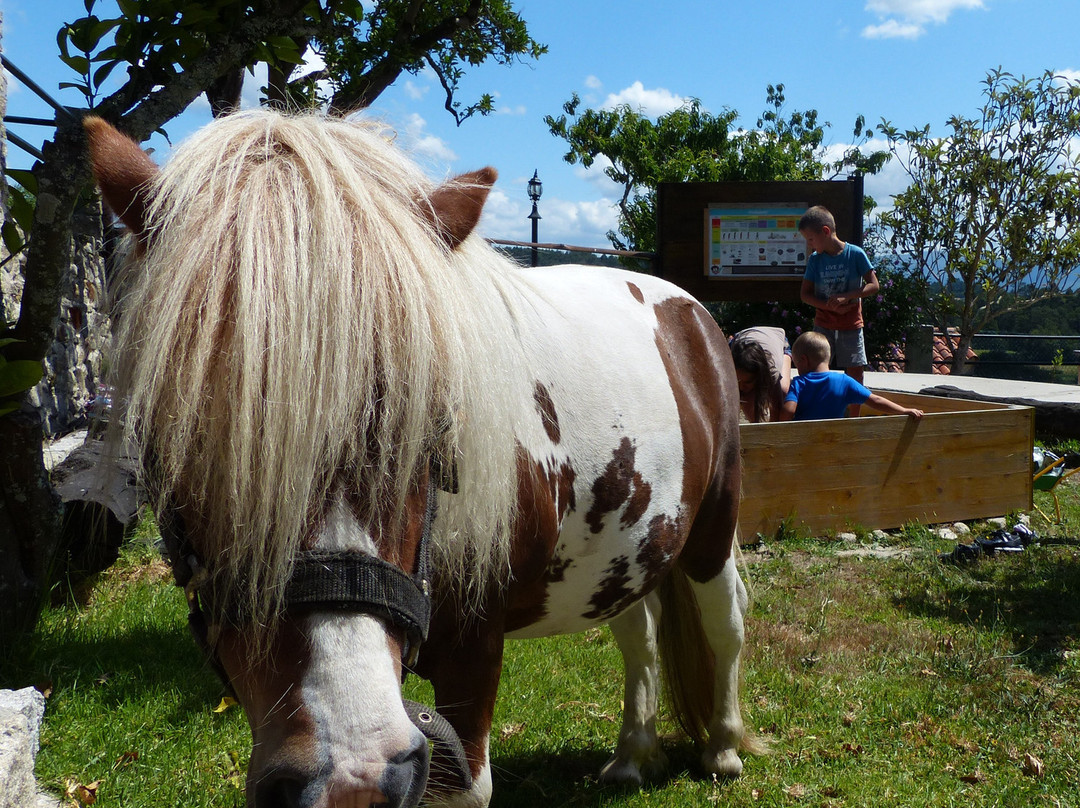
x=74 y=363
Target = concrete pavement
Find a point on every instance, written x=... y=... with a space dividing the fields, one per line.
x=996 y=389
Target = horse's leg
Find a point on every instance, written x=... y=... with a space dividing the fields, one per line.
x=723 y=602
x=637 y=755
x=464 y=672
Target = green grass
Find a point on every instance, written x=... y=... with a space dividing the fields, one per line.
x=877 y=682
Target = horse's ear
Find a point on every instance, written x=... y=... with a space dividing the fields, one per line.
x=122 y=171
x=455 y=206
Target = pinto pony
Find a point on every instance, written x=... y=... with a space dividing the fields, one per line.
x=378 y=447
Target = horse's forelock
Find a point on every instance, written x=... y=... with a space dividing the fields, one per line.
x=292 y=310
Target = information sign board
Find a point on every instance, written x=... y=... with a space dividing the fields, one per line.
x=754 y=241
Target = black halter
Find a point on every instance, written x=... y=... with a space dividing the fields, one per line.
x=337 y=581
x=345 y=581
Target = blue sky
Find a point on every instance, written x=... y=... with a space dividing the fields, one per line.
x=912 y=62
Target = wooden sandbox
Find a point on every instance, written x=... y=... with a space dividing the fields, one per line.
x=964 y=460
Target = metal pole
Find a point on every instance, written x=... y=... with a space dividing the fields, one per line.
x=535 y=216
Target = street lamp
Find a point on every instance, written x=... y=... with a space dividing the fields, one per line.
x=535 y=189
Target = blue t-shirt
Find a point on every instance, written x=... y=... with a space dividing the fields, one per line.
x=824 y=394
x=834 y=275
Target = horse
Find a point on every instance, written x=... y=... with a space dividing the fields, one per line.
x=378 y=447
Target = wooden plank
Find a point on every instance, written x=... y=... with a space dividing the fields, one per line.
x=887 y=471
x=934 y=403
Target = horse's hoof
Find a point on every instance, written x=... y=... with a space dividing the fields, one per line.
x=618 y=772
x=624 y=772
x=726 y=763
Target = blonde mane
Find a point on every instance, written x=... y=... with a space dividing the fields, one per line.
x=295 y=327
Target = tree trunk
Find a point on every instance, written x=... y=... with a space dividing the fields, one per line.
x=30 y=510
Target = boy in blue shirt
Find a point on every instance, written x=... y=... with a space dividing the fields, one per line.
x=819 y=393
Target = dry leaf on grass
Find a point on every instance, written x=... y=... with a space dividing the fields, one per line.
x=225 y=704
x=973 y=778
x=80 y=794
x=798 y=791
x=510 y=730
x=1032 y=766
x=126 y=759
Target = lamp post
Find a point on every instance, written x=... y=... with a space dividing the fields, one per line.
x=535 y=189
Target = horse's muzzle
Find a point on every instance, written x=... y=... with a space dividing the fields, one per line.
x=400 y=785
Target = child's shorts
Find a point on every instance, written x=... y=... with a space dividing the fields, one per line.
x=848 y=348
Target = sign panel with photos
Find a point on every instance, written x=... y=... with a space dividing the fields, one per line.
x=748 y=241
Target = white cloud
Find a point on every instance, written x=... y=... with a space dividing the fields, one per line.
x=652 y=103
x=593 y=83
x=519 y=109
x=424 y=145
x=250 y=97
x=891 y=29
x=891 y=180
x=581 y=223
x=414 y=91
x=907 y=19
x=13 y=85
x=1070 y=75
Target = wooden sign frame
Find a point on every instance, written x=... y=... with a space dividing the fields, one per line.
x=683 y=241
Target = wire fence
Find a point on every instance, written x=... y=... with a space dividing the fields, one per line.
x=1027 y=357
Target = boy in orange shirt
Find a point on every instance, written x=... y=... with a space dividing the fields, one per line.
x=838 y=275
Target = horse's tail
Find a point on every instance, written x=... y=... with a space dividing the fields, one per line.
x=685 y=656
x=688 y=663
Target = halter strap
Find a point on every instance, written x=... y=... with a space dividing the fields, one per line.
x=344 y=581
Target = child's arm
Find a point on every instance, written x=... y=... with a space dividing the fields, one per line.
x=882 y=404
x=808 y=296
x=785 y=374
x=870 y=287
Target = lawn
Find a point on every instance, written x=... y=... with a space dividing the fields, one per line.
x=876 y=678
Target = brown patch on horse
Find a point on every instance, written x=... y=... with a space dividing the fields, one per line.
x=122 y=170
x=545 y=496
x=548 y=417
x=635 y=290
x=455 y=206
x=702 y=378
x=614 y=594
x=663 y=543
x=619 y=484
x=267 y=691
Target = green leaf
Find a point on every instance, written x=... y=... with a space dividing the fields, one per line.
x=19 y=375
x=82 y=88
x=102 y=73
x=21 y=207
x=80 y=64
x=12 y=238
x=25 y=178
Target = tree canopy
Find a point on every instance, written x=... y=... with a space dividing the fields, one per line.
x=993 y=208
x=140 y=64
x=691 y=144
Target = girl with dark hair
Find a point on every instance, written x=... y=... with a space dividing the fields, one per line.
x=763 y=365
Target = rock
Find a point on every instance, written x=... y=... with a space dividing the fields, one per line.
x=945 y=532
x=21 y=712
x=847 y=538
x=960 y=528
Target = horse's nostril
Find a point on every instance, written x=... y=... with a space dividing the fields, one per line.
x=281 y=790
x=405 y=777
